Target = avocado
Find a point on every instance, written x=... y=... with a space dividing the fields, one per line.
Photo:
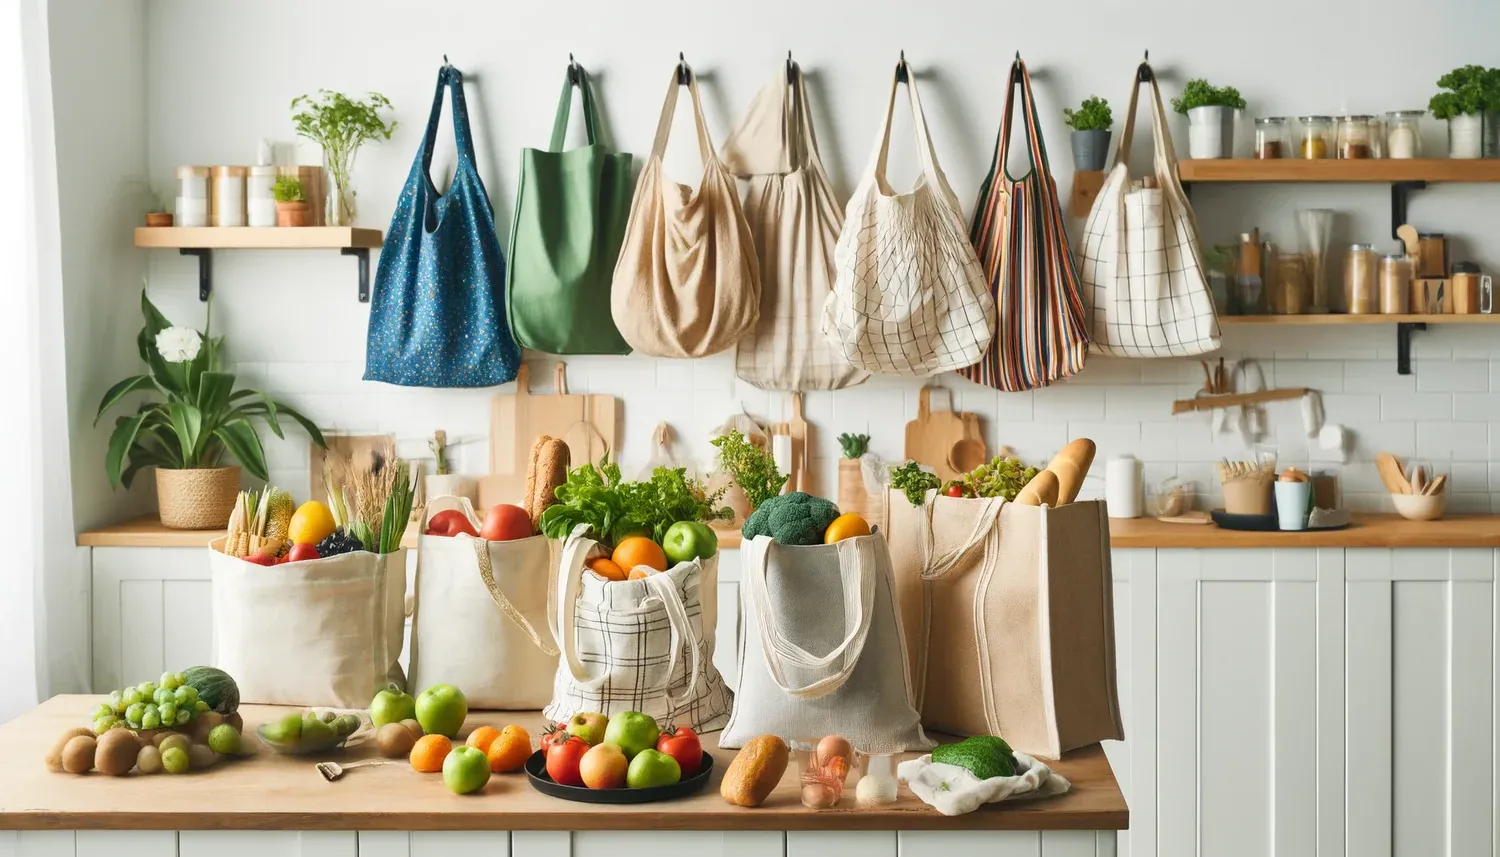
x=984 y=756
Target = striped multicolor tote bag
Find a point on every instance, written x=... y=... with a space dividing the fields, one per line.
x=1041 y=332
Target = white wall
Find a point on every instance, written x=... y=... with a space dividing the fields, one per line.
x=220 y=76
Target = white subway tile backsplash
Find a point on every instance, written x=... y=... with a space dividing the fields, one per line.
x=1138 y=403
x=1351 y=408
x=1326 y=376
x=1376 y=376
x=1476 y=407
x=1457 y=376
x=1110 y=370
x=1416 y=406
x=1063 y=403
x=1453 y=441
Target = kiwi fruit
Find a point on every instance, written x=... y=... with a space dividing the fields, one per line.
x=54 y=757
x=149 y=760
x=116 y=752
x=78 y=754
x=205 y=724
x=395 y=741
x=237 y=722
x=176 y=739
x=414 y=727
x=202 y=756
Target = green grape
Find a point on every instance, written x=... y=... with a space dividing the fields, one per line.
x=171 y=681
x=104 y=724
x=103 y=709
x=184 y=716
x=133 y=695
x=135 y=712
x=185 y=696
x=120 y=708
x=200 y=706
x=151 y=720
x=114 y=696
x=168 y=711
x=147 y=689
x=162 y=696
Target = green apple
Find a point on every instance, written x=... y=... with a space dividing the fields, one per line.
x=632 y=732
x=686 y=541
x=652 y=768
x=466 y=769
x=441 y=710
x=589 y=726
x=392 y=705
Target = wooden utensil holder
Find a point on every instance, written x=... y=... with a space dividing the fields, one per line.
x=1249 y=495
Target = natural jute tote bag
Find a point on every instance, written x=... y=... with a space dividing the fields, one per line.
x=910 y=297
x=571 y=210
x=687 y=283
x=479 y=619
x=822 y=651
x=1009 y=616
x=795 y=219
x=1142 y=265
x=1041 y=332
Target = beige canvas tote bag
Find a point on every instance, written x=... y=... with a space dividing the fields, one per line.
x=479 y=620
x=1142 y=265
x=686 y=283
x=910 y=297
x=1009 y=617
x=795 y=219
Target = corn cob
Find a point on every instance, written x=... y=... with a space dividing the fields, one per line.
x=279 y=509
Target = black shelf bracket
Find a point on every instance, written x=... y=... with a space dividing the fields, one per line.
x=1400 y=196
x=363 y=255
x=205 y=269
x=1403 y=344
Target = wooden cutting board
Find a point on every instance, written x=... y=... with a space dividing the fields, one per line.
x=945 y=440
x=354 y=447
x=588 y=424
x=794 y=430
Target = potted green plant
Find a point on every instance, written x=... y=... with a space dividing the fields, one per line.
x=193 y=421
x=340 y=125
x=1090 y=123
x=1210 y=111
x=291 y=204
x=160 y=214
x=1471 y=106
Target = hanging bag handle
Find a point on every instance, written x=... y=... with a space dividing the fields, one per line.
x=463 y=140
x=576 y=76
x=802 y=141
x=487 y=576
x=669 y=109
x=935 y=565
x=664 y=590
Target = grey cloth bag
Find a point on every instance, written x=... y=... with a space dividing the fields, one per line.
x=822 y=651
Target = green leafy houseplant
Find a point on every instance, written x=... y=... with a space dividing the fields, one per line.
x=1471 y=90
x=288 y=189
x=341 y=125
x=1092 y=115
x=1201 y=93
x=196 y=416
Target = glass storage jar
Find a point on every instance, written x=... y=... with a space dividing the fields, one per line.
x=1354 y=137
x=1289 y=288
x=1403 y=133
x=1360 y=294
x=191 y=208
x=1315 y=137
x=1395 y=285
x=1270 y=137
x=228 y=196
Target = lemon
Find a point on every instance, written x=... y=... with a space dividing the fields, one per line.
x=311 y=523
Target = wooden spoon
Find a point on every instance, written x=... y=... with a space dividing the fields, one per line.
x=965 y=455
x=1436 y=485
x=1392 y=474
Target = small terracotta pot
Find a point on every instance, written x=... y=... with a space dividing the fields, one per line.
x=159 y=218
x=196 y=499
x=291 y=213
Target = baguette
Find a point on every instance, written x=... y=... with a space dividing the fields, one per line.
x=1041 y=490
x=755 y=771
x=1071 y=466
x=548 y=469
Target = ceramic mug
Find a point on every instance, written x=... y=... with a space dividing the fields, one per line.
x=1292 y=501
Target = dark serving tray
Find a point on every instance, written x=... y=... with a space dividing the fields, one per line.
x=536 y=771
x=1260 y=523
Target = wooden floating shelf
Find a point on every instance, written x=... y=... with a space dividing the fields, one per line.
x=1231 y=400
x=1328 y=170
x=203 y=241
x=1372 y=318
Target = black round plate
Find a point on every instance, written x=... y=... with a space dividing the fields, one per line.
x=536 y=771
x=1259 y=523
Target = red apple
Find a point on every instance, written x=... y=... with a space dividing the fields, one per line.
x=505 y=522
x=449 y=522
x=301 y=552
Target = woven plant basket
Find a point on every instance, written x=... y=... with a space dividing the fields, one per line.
x=196 y=499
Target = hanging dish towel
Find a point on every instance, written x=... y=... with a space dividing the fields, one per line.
x=686 y=283
x=436 y=319
x=1142 y=263
x=571 y=210
x=910 y=296
x=795 y=220
x=1041 y=333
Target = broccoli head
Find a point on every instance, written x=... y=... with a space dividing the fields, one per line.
x=792 y=519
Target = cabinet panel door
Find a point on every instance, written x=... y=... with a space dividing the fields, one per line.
x=448 y=843
x=258 y=843
x=152 y=608
x=673 y=843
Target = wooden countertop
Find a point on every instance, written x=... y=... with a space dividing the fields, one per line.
x=272 y=792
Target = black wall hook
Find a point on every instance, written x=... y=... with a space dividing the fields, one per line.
x=791 y=69
x=1144 y=73
x=575 y=72
x=1015 y=69
x=902 y=74
x=684 y=74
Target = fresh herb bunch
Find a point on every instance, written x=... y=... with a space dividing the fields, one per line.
x=200 y=418
x=1092 y=115
x=1000 y=477
x=1472 y=89
x=397 y=508
x=1201 y=93
x=438 y=443
x=670 y=496
x=753 y=468
x=913 y=481
x=854 y=445
x=288 y=189
x=612 y=508
x=370 y=500
x=341 y=125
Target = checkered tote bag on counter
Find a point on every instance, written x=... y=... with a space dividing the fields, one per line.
x=1142 y=264
x=909 y=297
x=1041 y=332
x=637 y=645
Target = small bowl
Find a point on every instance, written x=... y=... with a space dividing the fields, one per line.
x=1420 y=507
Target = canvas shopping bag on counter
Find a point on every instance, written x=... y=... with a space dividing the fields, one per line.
x=437 y=318
x=571 y=209
x=795 y=220
x=636 y=645
x=479 y=620
x=687 y=283
x=909 y=297
x=1142 y=265
x=1009 y=619
x=822 y=651
x=1041 y=333
x=323 y=632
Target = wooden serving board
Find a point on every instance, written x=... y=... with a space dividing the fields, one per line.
x=795 y=430
x=588 y=424
x=355 y=447
x=934 y=436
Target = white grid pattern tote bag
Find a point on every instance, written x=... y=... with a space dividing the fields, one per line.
x=910 y=297
x=1142 y=264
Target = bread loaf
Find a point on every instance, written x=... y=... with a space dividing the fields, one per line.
x=547 y=470
x=1041 y=490
x=1071 y=466
x=754 y=773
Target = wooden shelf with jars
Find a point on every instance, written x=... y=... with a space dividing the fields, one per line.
x=202 y=241
x=1369 y=318
x=1330 y=170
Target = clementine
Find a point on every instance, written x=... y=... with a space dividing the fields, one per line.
x=606 y=568
x=640 y=572
x=639 y=550
x=428 y=753
x=845 y=527
x=510 y=749
x=482 y=738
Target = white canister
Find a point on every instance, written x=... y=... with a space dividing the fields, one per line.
x=260 y=205
x=229 y=196
x=191 y=208
x=1122 y=486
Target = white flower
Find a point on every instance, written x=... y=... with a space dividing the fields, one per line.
x=178 y=344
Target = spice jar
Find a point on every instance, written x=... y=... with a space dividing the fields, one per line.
x=1249 y=287
x=1289 y=290
x=1354 y=137
x=1314 y=137
x=1270 y=137
x=260 y=205
x=1395 y=285
x=229 y=196
x=191 y=208
x=1360 y=294
x=1403 y=133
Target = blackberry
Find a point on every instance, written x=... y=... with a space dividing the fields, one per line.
x=339 y=542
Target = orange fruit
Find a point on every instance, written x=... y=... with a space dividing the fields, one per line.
x=639 y=550
x=428 y=753
x=482 y=738
x=606 y=568
x=509 y=750
x=640 y=572
x=845 y=527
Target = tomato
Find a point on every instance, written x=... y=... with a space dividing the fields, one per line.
x=552 y=734
x=301 y=553
x=450 y=522
x=955 y=490
x=682 y=744
x=563 y=758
